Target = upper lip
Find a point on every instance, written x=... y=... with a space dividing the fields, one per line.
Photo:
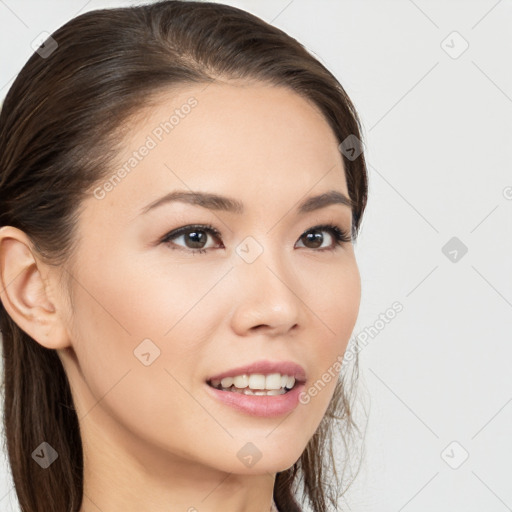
x=265 y=367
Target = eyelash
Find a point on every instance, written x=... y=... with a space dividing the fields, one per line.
x=339 y=235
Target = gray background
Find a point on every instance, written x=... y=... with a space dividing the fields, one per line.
x=435 y=380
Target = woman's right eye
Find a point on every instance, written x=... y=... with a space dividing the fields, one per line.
x=194 y=237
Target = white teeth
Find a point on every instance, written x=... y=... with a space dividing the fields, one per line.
x=280 y=391
x=227 y=382
x=256 y=382
x=273 y=381
x=247 y=391
x=241 y=381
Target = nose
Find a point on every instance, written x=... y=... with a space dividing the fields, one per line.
x=266 y=297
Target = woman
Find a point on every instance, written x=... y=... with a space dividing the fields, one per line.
x=181 y=188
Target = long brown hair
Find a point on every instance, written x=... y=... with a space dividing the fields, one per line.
x=60 y=125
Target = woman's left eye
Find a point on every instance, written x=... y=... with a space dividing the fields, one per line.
x=197 y=236
x=339 y=236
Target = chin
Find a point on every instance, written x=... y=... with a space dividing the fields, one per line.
x=253 y=461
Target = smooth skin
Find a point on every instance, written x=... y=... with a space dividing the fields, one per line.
x=153 y=438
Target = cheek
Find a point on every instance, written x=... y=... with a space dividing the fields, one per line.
x=335 y=306
x=137 y=300
x=334 y=298
x=131 y=309
x=114 y=313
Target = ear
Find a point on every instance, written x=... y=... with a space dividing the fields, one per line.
x=26 y=290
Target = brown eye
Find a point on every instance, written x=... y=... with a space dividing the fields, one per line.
x=197 y=238
x=313 y=238
x=194 y=238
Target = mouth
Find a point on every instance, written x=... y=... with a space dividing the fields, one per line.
x=273 y=388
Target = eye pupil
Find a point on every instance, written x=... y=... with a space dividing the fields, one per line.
x=196 y=237
x=315 y=237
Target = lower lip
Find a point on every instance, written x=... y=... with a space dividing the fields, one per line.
x=260 y=405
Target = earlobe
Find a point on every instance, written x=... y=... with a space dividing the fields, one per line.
x=26 y=293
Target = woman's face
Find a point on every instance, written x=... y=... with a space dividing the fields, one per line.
x=153 y=320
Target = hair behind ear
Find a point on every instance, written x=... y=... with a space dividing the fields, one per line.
x=38 y=409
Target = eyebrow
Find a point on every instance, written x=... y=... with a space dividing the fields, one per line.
x=218 y=202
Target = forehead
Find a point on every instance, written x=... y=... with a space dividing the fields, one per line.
x=258 y=142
